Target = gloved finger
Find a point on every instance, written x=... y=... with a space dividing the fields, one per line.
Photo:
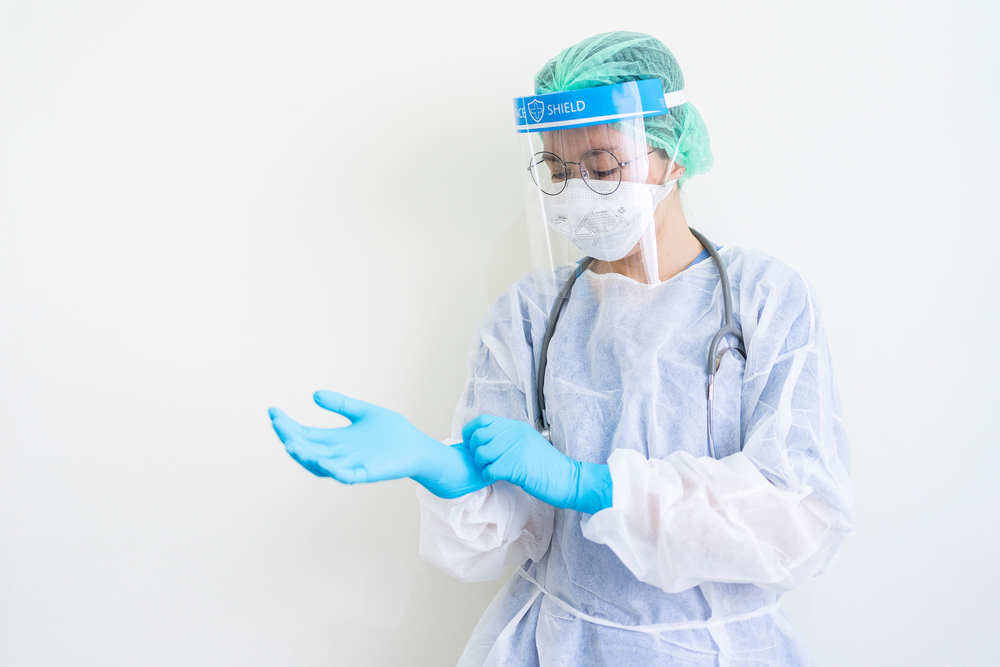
x=477 y=440
x=488 y=429
x=500 y=470
x=487 y=475
x=300 y=448
x=351 y=474
x=491 y=432
x=475 y=424
x=343 y=472
x=319 y=459
x=491 y=450
x=312 y=466
x=286 y=427
x=305 y=450
x=512 y=469
x=351 y=408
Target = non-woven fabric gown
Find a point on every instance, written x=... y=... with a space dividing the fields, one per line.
x=688 y=565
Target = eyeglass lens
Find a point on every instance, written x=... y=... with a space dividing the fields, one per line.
x=599 y=169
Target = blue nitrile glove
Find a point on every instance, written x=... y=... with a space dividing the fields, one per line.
x=511 y=450
x=378 y=445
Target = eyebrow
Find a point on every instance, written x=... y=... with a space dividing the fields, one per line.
x=616 y=149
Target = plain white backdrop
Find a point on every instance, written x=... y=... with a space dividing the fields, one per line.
x=210 y=208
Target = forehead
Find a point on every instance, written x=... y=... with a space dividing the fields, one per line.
x=579 y=140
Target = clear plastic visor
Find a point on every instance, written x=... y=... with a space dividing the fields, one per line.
x=601 y=156
x=591 y=191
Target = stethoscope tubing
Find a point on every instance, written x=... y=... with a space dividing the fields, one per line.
x=728 y=329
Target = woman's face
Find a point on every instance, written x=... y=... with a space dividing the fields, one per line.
x=588 y=151
x=601 y=152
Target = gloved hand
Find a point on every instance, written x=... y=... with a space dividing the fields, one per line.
x=513 y=451
x=378 y=445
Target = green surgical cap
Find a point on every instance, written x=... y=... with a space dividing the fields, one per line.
x=617 y=57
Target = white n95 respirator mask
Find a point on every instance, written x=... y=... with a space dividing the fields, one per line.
x=604 y=226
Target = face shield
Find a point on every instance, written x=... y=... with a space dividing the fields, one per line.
x=591 y=182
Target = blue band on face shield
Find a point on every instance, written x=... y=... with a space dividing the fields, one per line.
x=593 y=106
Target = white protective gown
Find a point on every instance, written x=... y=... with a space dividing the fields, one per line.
x=688 y=565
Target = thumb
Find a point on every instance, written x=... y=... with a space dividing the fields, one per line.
x=351 y=408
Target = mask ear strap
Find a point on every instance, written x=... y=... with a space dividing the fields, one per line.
x=665 y=188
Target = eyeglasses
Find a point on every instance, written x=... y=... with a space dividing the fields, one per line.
x=599 y=169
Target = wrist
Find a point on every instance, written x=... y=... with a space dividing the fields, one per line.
x=594 y=488
x=433 y=460
x=449 y=471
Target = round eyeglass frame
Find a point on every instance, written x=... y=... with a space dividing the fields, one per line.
x=537 y=158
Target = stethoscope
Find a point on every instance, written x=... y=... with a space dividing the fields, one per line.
x=714 y=355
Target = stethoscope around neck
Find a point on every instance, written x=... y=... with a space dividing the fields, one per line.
x=714 y=354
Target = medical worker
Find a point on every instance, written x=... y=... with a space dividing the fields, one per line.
x=650 y=431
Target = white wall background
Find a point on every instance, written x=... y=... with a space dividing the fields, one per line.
x=207 y=209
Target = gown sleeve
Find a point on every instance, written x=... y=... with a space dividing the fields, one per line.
x=775 y=513
x=476 y=537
